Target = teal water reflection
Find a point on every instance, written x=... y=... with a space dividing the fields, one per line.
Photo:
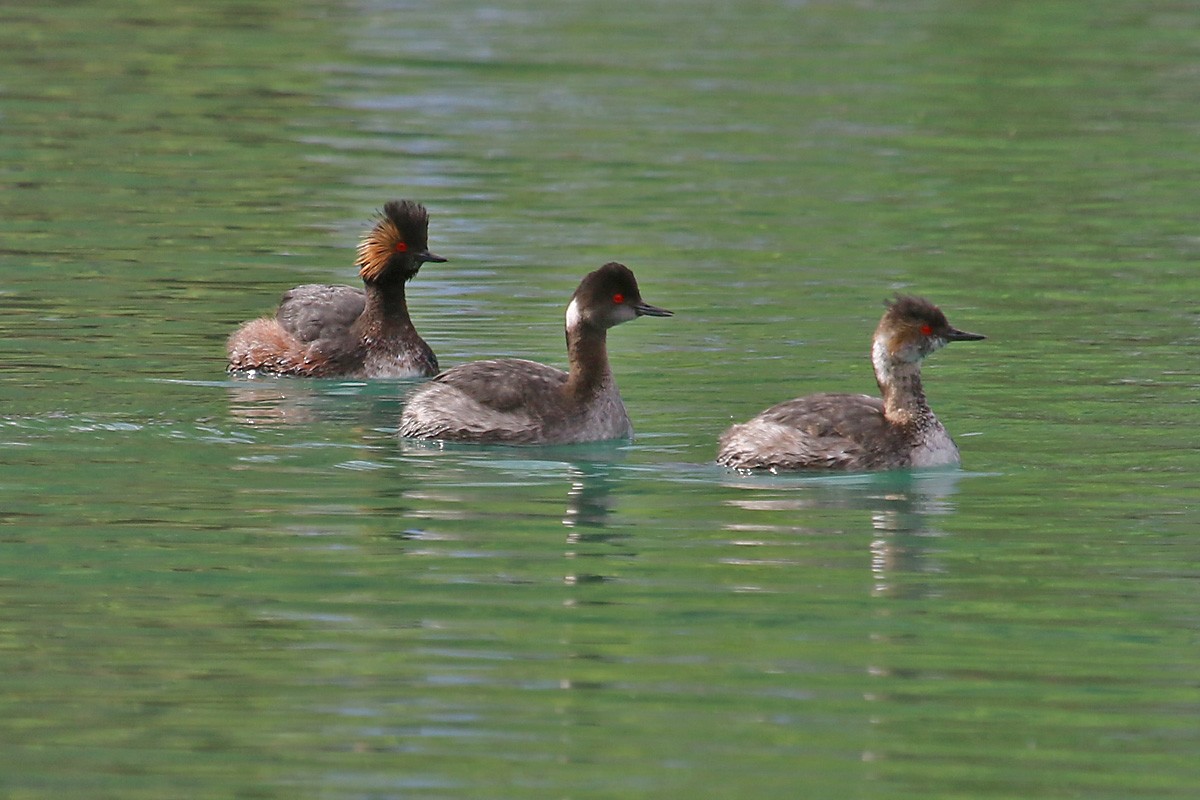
x=232 y=588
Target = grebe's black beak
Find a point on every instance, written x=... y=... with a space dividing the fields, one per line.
x=955 y=335
x=425 y=255
x=647 y=310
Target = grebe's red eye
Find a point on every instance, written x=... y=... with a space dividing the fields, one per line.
x=618 y=298
x=926 y=329
x=401 y=247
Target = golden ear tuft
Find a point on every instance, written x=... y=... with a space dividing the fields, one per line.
x=377 y=248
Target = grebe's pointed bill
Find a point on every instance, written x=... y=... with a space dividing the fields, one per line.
x=647 y=310
x=955 y=335
x=426 y=256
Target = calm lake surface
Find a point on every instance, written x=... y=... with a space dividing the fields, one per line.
x=252 y=588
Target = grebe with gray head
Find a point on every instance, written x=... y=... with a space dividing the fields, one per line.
x=855 y=431
x=514 y=401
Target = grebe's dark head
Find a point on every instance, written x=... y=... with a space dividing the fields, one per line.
x=607 y=297
x=398 y=244
x=913 y=327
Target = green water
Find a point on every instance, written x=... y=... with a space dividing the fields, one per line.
x=216 y=588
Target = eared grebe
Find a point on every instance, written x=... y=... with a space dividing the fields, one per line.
x=514 y=401
x=855 y=431
x=340 y=331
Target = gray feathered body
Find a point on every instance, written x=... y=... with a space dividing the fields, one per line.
x=835 y=432
x=320 y=330
x=514 y=401
x=315 y=311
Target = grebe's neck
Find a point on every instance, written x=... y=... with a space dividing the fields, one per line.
x=587 y=353
x=386 y=310
x=900 y=386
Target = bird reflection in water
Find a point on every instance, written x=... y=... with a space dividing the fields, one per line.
x=902 y=507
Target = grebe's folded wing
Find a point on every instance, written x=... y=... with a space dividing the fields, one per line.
x=318 y=311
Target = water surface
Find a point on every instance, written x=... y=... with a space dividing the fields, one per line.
x=231 y=588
